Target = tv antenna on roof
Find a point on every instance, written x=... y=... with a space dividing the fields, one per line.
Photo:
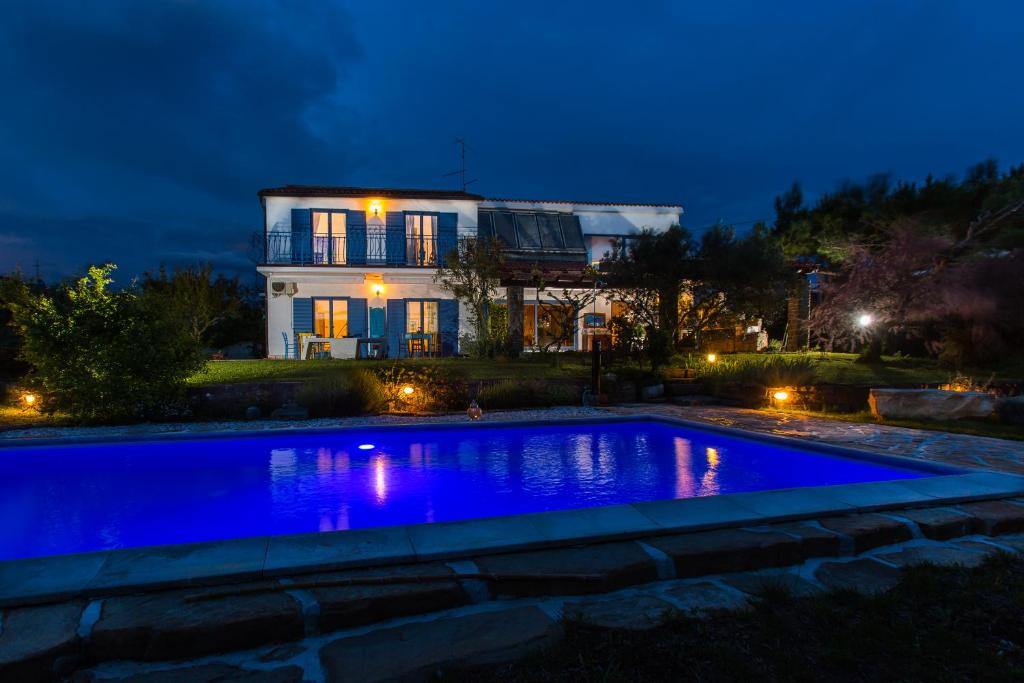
x=462 y=166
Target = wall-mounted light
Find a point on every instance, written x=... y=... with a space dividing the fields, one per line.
x=378 y=290
x=375 y=207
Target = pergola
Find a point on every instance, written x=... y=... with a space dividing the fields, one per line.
x=516 y=274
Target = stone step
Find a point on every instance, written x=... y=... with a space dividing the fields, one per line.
x=46 y=641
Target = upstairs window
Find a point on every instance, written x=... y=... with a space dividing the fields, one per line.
x=420 y=239
x=328 y=237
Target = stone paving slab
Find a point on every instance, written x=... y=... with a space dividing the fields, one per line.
x=33 y=639
x=758 y=582
x=416 y=651
x=962 y=450
x=862 y=575
x=162 y=626
x=940 y=523
x=347 y=606
x=814 y=541
x=613 y=565
x=635 y=613
x=21 y=581
x=728 y=550
x=869 y=530
x=156 y=566
x=697 y=597
x=996 y=516
x=215 y=673
x=942 y=555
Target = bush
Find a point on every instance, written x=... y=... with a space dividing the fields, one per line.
x=356 y=393
x=101 y=355
x=527 y=394
x=433 y=390
x=769 y=371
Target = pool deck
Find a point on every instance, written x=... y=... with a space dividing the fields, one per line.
x=975 y=494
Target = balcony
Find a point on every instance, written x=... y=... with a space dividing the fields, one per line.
x=305 y=249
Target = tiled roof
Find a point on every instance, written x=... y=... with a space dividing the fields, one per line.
x=385 y=192
x=585 y=202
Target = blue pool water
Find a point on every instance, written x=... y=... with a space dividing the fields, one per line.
x=66 y=499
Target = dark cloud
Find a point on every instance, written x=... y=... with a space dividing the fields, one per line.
x=139 y=131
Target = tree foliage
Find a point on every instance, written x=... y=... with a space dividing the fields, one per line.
x=863 y=212
x=100 y=354
x=677 y=288
x=472 y=273
x=216 y=310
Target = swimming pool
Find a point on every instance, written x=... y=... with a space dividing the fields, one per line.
x=61 y=499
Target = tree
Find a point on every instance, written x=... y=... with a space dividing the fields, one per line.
x=733 y=278
x=472 y=273
x=674 y=286
x=205 y=304
x=915 y=281
x=646 y=272
x=568 y=303
x=103 y=355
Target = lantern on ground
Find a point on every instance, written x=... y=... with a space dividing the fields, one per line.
x=474 y=412
x=712 y=357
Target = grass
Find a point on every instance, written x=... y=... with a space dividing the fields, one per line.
x=971 y=427
x=840 y=368
x=16 y=417
x=530 y=366
x=938 y=624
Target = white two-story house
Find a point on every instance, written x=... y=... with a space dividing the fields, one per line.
x=350 y=271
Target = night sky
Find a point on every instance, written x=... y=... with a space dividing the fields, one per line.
x=139 y=132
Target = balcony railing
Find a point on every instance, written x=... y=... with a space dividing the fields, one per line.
x=304 y=249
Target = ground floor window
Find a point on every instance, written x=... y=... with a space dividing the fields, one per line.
x=544 y=325
x=420 y=316
x=330 y=318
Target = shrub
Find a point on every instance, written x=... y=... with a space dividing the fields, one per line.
x=769 y=371
x=434 y=390
x=103 y=355
x=527 y=394
x=355 y=393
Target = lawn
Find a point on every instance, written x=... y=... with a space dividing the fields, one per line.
x=938 y=624
x=832 y=368
x=569 y=366
x=841 y=368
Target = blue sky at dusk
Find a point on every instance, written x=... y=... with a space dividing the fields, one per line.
x=139 y=132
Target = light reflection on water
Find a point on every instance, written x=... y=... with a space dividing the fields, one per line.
x=70 y=499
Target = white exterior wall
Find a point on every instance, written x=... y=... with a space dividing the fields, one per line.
x=398 y=283
x=279 y=209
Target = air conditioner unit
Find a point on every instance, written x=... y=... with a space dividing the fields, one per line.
x=287 y=288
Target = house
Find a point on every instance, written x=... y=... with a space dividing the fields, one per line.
x=350 y=271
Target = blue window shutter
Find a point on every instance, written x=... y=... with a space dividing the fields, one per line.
x=302 y=236
x=302 y=314
x=395 y=238
x=302 y=320
x=447 y=236
x=448 y=322
x=355 y=238
x=357 y=317
x=396 y=328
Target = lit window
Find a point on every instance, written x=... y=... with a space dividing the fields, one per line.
x=328 y=237
x=330 y=318
x=421 y=239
